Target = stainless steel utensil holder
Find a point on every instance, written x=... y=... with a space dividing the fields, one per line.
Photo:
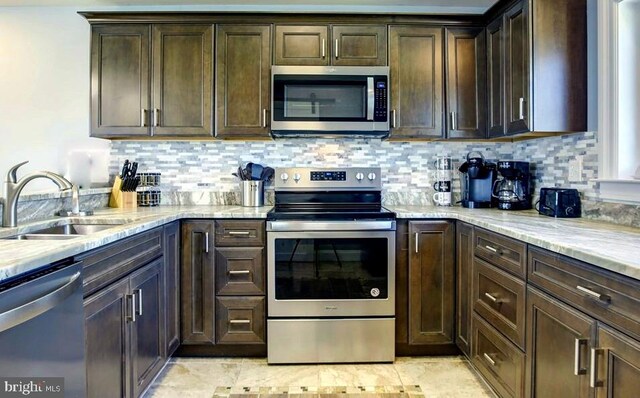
x=252 y=193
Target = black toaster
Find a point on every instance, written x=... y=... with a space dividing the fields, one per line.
x=560 y=202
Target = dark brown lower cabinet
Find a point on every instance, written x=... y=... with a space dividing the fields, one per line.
x=124 y=334
x=240 y=320
x=172 y=287
x=464 y=283
x=617 y=374
x=197 y=289
x=427 y=288
x=558 y=345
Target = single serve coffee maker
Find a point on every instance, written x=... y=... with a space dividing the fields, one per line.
x=478 y=178
x=513 y=190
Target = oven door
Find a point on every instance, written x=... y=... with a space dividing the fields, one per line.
x=329 y=99
x=331 y=272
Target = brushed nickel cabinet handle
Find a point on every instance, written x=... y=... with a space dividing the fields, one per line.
x=239 y=272
x=138 y=293
x=206 y=242
x=143 y=118
x=491 y=297
x=453 y=121
x=417 y=239
x=323 y=48
x=264 y=118
x=593 y=377
x=239 y=321
x=521 y=108
x=492 y=249
x=577 y=370
x=337 y=49
x=156 y=117
x=602 y=297
x=393 y=118
x=239 y=233
x=132 y=299
x=489 y=359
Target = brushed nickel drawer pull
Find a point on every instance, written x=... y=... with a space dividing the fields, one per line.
x=489 y=359
x=577 y=370
x=593 y=377
x=491 y=248
x=491 y=297
x=239 y=272
x=239 y=233
x=602 y=297
x=239 y=321
x=206 y=242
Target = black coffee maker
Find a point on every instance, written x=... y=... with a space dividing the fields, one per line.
x=513 y=190
x=478 y=177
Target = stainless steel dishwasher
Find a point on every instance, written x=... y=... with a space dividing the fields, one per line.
x=42 y=327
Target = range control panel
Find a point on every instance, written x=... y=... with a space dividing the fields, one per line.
x=327 y=179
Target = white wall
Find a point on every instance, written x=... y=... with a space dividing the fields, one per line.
x=44 y=92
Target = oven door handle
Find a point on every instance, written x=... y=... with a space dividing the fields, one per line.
x=291 y=226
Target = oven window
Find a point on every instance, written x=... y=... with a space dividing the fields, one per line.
x=333 y=268
x=324 y=102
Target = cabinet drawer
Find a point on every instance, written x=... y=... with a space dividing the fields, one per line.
x=111 y=262
x=498 y=360
x=506 y=253
x=240 y=271
x=240 y=320
x=240 y=233
x=605 y=295
x=500 y=299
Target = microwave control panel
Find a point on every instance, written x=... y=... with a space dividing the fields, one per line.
x=381 y=98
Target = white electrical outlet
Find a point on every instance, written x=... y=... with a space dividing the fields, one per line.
x=576 y=169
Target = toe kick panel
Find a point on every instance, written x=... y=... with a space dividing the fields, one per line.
x=331 y=340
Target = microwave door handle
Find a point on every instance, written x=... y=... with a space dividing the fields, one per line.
x=370 y=98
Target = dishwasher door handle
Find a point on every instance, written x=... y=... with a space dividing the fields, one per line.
x=32 y=309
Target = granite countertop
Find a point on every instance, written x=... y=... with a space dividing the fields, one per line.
x=610 y=246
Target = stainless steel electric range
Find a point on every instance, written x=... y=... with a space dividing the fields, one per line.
x=330 y=268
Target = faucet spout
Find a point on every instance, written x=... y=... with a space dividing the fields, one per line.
x=13 y=187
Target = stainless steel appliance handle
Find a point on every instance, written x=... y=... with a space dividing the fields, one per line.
x=593 y=377
x=138 y=292
x=602 y=297
x=292 y=226
x=337 y=49
x=577 y=370
x=239 y=272
x=370 y=96
x=206 y=242
x=521 y=108
x=323 y=48
x=32 y=309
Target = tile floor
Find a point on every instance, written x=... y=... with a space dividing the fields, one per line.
x=428 y=377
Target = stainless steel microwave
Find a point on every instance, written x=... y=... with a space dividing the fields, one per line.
x=330 y=101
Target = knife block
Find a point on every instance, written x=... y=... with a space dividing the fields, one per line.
x=121 y=199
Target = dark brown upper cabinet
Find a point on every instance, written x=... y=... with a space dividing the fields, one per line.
x=466 y=83
x=182 y=80
x=415 y=63
x=243 y=74
x=120 y=80
x=151 y=80
x=321 y=45
x=495 y=77
x=518 y=95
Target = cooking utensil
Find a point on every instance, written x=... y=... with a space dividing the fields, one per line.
x=256 y=172
x=267 y=174
x=134 y=169
x=125 y=169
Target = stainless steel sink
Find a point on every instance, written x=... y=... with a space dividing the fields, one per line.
x=62 y=232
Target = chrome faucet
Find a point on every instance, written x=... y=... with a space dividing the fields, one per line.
x=13 y=188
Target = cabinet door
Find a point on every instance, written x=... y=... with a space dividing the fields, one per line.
x=147 y=331
x=558 y=342
x=466 y=75
x=618 y=375
x=364 y=45
x=415 y=62
x=182 y=80
x=243 y=56
x=431 y=282
x=464 y=279
x=495 y=77
x=302 y=45
x=197 y=283
x=107 y=318
x=517 y=68
x=119 y=80
x=172 y=287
